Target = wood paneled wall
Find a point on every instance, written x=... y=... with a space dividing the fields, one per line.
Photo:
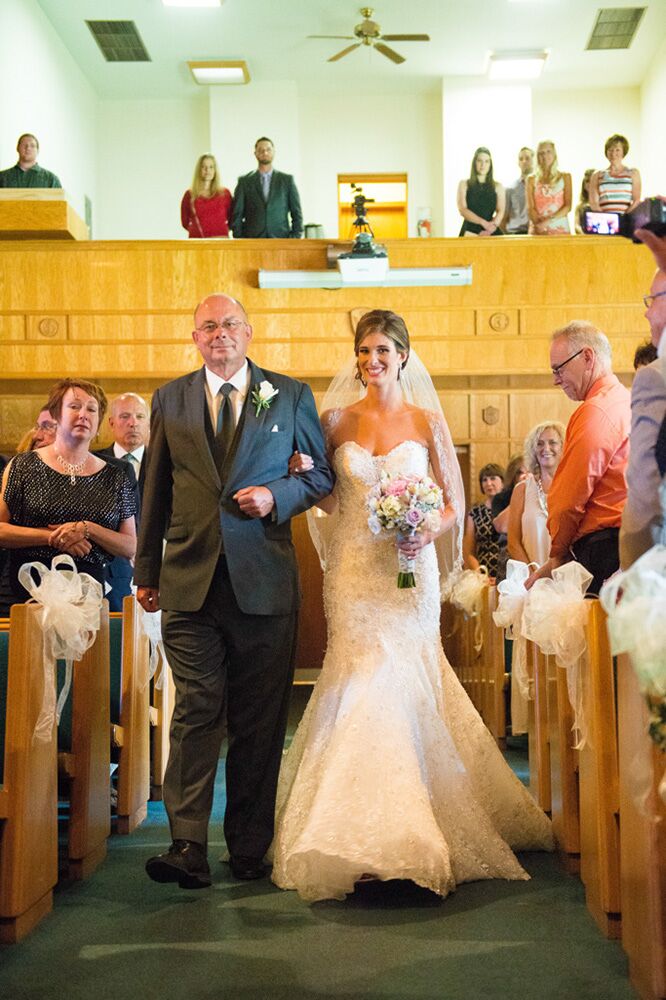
x=122 y=313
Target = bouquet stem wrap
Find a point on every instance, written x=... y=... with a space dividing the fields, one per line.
x=554 y=617
x=406 y=578
x=151 y=623
x=509 y=616
x=635 y=602
x=70 y=618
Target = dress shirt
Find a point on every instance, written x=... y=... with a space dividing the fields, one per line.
x=240 y=382
x=516 y=203
x=589 y=489
x=34 y=177
x=135 y=456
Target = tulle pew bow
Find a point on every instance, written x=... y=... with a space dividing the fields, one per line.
x=464 y=590
x=70 y=605
x=509 y=616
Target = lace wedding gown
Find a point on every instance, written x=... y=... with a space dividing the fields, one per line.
x=391 y=771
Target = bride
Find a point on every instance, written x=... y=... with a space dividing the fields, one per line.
x=391 y=773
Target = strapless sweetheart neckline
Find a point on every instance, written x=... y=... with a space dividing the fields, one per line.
x=395 y=447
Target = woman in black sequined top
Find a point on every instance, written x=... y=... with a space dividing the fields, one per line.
x=62 y=498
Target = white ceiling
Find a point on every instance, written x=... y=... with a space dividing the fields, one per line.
x=271 y=36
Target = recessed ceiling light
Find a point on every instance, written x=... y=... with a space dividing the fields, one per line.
x=220 y=71
x=192 y=3
x=526 y=65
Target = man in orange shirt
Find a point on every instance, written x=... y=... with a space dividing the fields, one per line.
x=589 y=489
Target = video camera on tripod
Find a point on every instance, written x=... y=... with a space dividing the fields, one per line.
x=358 y=206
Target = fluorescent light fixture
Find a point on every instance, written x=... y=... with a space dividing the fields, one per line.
x=192 y=3
x=220 y=71
x=527 y=65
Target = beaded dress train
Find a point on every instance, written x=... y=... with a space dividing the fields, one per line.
x=391 y=772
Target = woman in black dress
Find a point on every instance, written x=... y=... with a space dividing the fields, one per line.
x=481 y=199
x=481 y=541
x=62 y=498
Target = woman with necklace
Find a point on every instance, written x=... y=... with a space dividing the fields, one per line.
x=529 y=540
x=61 y=498
x=548 y=195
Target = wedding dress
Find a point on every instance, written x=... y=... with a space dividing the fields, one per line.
x=391 y=772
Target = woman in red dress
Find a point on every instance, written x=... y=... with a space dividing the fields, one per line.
x=205 y=210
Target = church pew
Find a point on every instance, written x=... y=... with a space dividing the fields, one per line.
x=28 y=782
x=494 y=675
x=642 y=840
x=599 y=791
x=565 y=812
x=162 y=701
x=84 y=756
x=537 y=728
x=130 y=708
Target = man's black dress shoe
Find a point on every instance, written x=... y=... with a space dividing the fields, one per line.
x=246 y=868
x=185 y=863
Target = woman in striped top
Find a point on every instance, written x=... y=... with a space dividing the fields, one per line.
x=617 y=189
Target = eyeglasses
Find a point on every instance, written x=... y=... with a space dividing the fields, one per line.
x=649 y=299
x=229 y=325
x=46 y=425
x=556 y=368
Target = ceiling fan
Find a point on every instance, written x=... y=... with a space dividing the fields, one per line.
x=369 y=32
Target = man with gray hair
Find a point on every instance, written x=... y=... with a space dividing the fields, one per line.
x=589 y=489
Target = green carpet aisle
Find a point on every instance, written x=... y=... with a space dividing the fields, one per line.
x=119 y=935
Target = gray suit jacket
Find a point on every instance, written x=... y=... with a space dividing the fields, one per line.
x=255 y=218
x=642 y=518
x=189 y=500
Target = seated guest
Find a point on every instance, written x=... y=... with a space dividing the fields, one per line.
x=589 y=488
x=481 y=199
x=529 y=541
x=130 y=423
x=618 y=188
x=515 y=219
x=583 y=202
x=548 y=195
x=643 y=518
x=481 y=541
x=27 y=173
x=205 y=211
x=644 y=355
x=62 y=498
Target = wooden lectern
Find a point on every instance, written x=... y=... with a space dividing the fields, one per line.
x=39 y=214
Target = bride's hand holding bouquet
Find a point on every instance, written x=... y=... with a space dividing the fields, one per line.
x=410 y=507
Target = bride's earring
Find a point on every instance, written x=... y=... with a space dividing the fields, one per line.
x=359 y=377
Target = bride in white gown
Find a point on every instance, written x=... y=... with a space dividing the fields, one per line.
x=391 y=773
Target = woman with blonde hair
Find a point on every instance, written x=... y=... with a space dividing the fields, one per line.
x=529 y=540
x=548 y=195
x=205 y=211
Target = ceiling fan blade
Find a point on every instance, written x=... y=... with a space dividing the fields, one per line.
x=406 y=38
x=343 y=37
x=389 y=53
x=339 y=55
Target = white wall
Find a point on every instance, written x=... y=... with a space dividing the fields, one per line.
x=43 y=91
x=397 y=133
x=653 y=134
x=492 y=115
x=580 y=121
x=146 y=155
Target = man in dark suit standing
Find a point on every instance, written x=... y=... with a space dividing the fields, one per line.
x=130 y=422
x=217 y=487
x=265 y=201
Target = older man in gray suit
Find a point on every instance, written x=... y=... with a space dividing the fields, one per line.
x=642 y=518
x=217 y=487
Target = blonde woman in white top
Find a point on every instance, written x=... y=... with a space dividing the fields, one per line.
x=528 y=511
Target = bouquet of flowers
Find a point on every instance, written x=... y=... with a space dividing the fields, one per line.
x=404 y=504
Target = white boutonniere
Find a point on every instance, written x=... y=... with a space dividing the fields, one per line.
x=262 y=396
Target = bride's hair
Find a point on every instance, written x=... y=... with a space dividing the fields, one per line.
x=386 y=322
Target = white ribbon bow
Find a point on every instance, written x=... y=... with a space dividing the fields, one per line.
x=554 y=617
x=70 y=618
x=509 y=616
x=151 y=622
x=465 y=591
